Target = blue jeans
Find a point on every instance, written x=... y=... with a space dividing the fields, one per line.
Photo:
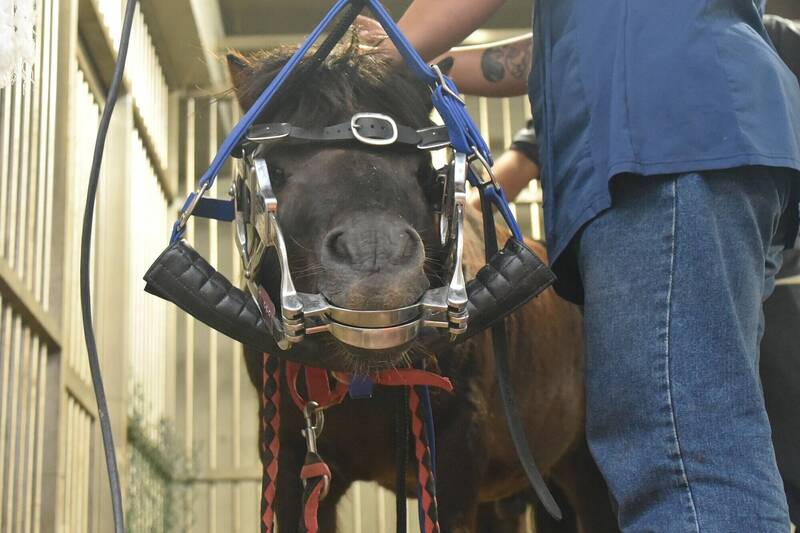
x=675 y=275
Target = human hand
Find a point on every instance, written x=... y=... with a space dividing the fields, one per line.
x=373 y=37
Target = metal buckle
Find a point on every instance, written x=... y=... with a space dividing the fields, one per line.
x=446 y=88
x=355 y=126
x=314 y=422
x=433 y=145
x=183 y=217
x=482 y=160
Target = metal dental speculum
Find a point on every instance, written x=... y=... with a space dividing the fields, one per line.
x=300 y=314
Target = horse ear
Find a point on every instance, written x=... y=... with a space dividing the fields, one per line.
x=241 y=70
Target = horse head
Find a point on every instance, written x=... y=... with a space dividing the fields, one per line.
x=358 y=220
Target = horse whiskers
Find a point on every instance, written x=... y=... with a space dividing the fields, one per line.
x=307 y=274
x=299 y=266
x=433 y=264
x=333 y=351
x=420 y=349
x=309 y=270
x=306 y=248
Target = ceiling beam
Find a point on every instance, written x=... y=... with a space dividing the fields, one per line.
x=186 y=34
x=264 y=41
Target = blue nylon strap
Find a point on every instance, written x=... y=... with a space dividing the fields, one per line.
x=360 y=387
x=496 y=195
x=464 y=135
x=206 y=208
x=215 y=208
x=240 y=130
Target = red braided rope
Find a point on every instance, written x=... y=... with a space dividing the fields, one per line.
x=427 y=483
x=320 y=391
x=270 y=443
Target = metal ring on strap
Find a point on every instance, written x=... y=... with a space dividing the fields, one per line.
x=355 y=126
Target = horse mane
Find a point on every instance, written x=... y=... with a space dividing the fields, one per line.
x=350 y=80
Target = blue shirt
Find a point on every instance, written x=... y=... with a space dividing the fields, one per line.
x=651 y=87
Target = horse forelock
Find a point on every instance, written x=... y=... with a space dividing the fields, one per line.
x=350 y=80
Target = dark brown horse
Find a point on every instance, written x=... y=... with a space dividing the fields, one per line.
x=360 y=229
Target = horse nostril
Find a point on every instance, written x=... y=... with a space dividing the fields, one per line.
x=411 y=242
x=372 y=245
x=337 y=246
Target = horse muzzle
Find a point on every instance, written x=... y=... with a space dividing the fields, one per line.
x=302 y=314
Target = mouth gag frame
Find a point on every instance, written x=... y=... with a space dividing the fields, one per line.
x=300 y=315
x=258 y=229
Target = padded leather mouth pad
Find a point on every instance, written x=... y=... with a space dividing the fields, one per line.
x=513 y=276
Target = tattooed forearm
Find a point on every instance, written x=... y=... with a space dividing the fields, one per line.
x=512 y=60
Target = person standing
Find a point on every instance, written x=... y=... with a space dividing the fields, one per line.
x=670 y=145
x=780 y=347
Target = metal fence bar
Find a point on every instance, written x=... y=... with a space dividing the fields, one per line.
x=13 y=189
x=28 y=435
x=236 y=374
x=22 y=429
x=213 y=340
x=36 y=185
x=508 y=132
x=5 y=382
x=86 y=438
x=23 y=177
x=25 y=303
x=40 y=441
x=28 y=244
x=5 y=130
x=51 y=30
x=12 y=447
x=69 y=492
x=188 y=351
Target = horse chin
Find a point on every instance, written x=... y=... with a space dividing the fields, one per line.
x=363 y=361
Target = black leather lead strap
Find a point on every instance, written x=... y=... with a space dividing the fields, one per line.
x=500 y=348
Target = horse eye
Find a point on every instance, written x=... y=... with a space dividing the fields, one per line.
x=433 y=184
x=277 y=176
